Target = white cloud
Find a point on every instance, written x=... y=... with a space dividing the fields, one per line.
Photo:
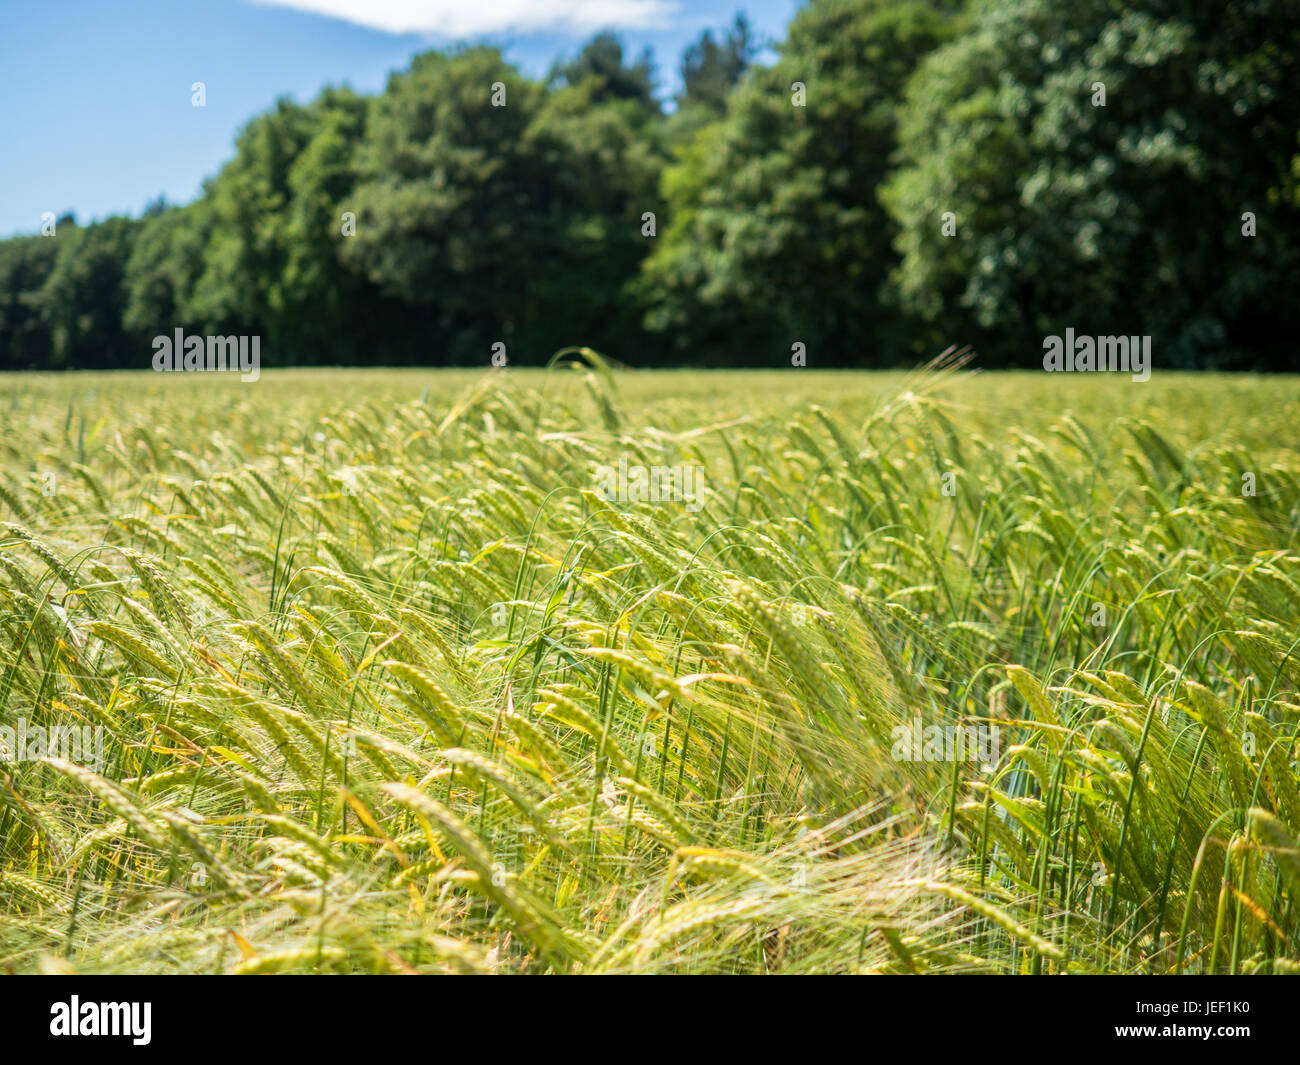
x=468 y=18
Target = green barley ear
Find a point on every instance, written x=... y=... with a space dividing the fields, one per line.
x=258 y=792
x=429 y=631
x=295 y=682
x=42 y=551
x=556 y=705
x=476 y=765
x=997 y=915
x=1279 y=778
x=430 y=702
x=271 y=719
x=532 y=917
x=114 y=799
x=1271 y=834
x=134 y=648
x=1032 y=692
x=16 y=885
x=1208 y=710
x=166 y=602
x=9 y=497
x=187 y=832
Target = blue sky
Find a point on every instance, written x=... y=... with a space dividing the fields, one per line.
x=96 y=114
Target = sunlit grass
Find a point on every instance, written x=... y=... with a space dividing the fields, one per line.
x=386 y=685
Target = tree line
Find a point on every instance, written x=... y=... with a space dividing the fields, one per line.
x=903 y=176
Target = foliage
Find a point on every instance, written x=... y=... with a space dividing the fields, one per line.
x=711 y=69
x=774 y=234
x=1122 y=218
x=601 y=67
x=800 y=201
x=25 y=266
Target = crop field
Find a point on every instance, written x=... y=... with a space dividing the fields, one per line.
x=590 y=670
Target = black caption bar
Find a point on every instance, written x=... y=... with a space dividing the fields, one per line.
x=299 y=1014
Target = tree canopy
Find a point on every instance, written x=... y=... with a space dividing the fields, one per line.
x=901 y=176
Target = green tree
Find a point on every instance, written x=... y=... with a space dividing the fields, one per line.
x=452 y=212
x=84 y=298
x=606 y=158
x=247 y=254
x=601 y=66
x=326 y=303
x=271 y=229
x=1117 y=219
x=25 y=265
x=774 y=234
x=516 y=223
x=710 y=68
x=165 y=263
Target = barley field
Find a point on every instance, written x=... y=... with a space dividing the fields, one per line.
x=368 y=671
